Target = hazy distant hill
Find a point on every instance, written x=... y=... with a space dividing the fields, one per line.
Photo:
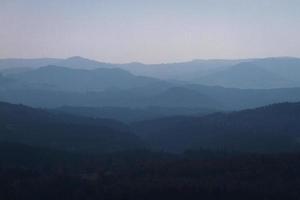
x=247 y=75
x=112 y=86
x=166 y=71
x=288 y=68
x=244 y=73
x=67 y=79
x=73 y=62
x=237 y=99
x=268 y=129
x=189 y=96
x=241 y=73
x=184 y=71
x=3 y=80
x=257 y=73
x=180 y=96
x=78 y=62
x=26 y=63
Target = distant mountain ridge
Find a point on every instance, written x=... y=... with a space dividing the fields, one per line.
x=68 y=79
x=256 y=73
x=72 y=62
x=81 y=82
x=161 y=95
x=247 y=75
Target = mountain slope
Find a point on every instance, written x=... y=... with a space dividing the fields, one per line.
x=183 y=71
x=3 y=80
x=272 y=128
x=79 y=80
x=246 y=75
x=72 y=62
x=77 y=62
x=128 y=114
x=26 y=63
x=189 y=96
x=238 y=99
x=288 y=68
x=21 y=124
x=240 y=73
x=183 y=97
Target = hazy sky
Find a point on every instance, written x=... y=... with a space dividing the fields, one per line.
x=149 y=31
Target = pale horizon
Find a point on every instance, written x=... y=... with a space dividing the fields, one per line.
x=149 y=31
x=139 y=62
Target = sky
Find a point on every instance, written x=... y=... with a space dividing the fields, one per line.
x=149 y=31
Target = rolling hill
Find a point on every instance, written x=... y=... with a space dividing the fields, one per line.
x=128 y=114
x=256 y=73
x=25 y=125
x=273 y=128
x=33 y=63
x=247 y=75
x=80 y=80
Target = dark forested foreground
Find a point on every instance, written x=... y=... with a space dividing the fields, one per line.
x=251 y=154
x=36 y=173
